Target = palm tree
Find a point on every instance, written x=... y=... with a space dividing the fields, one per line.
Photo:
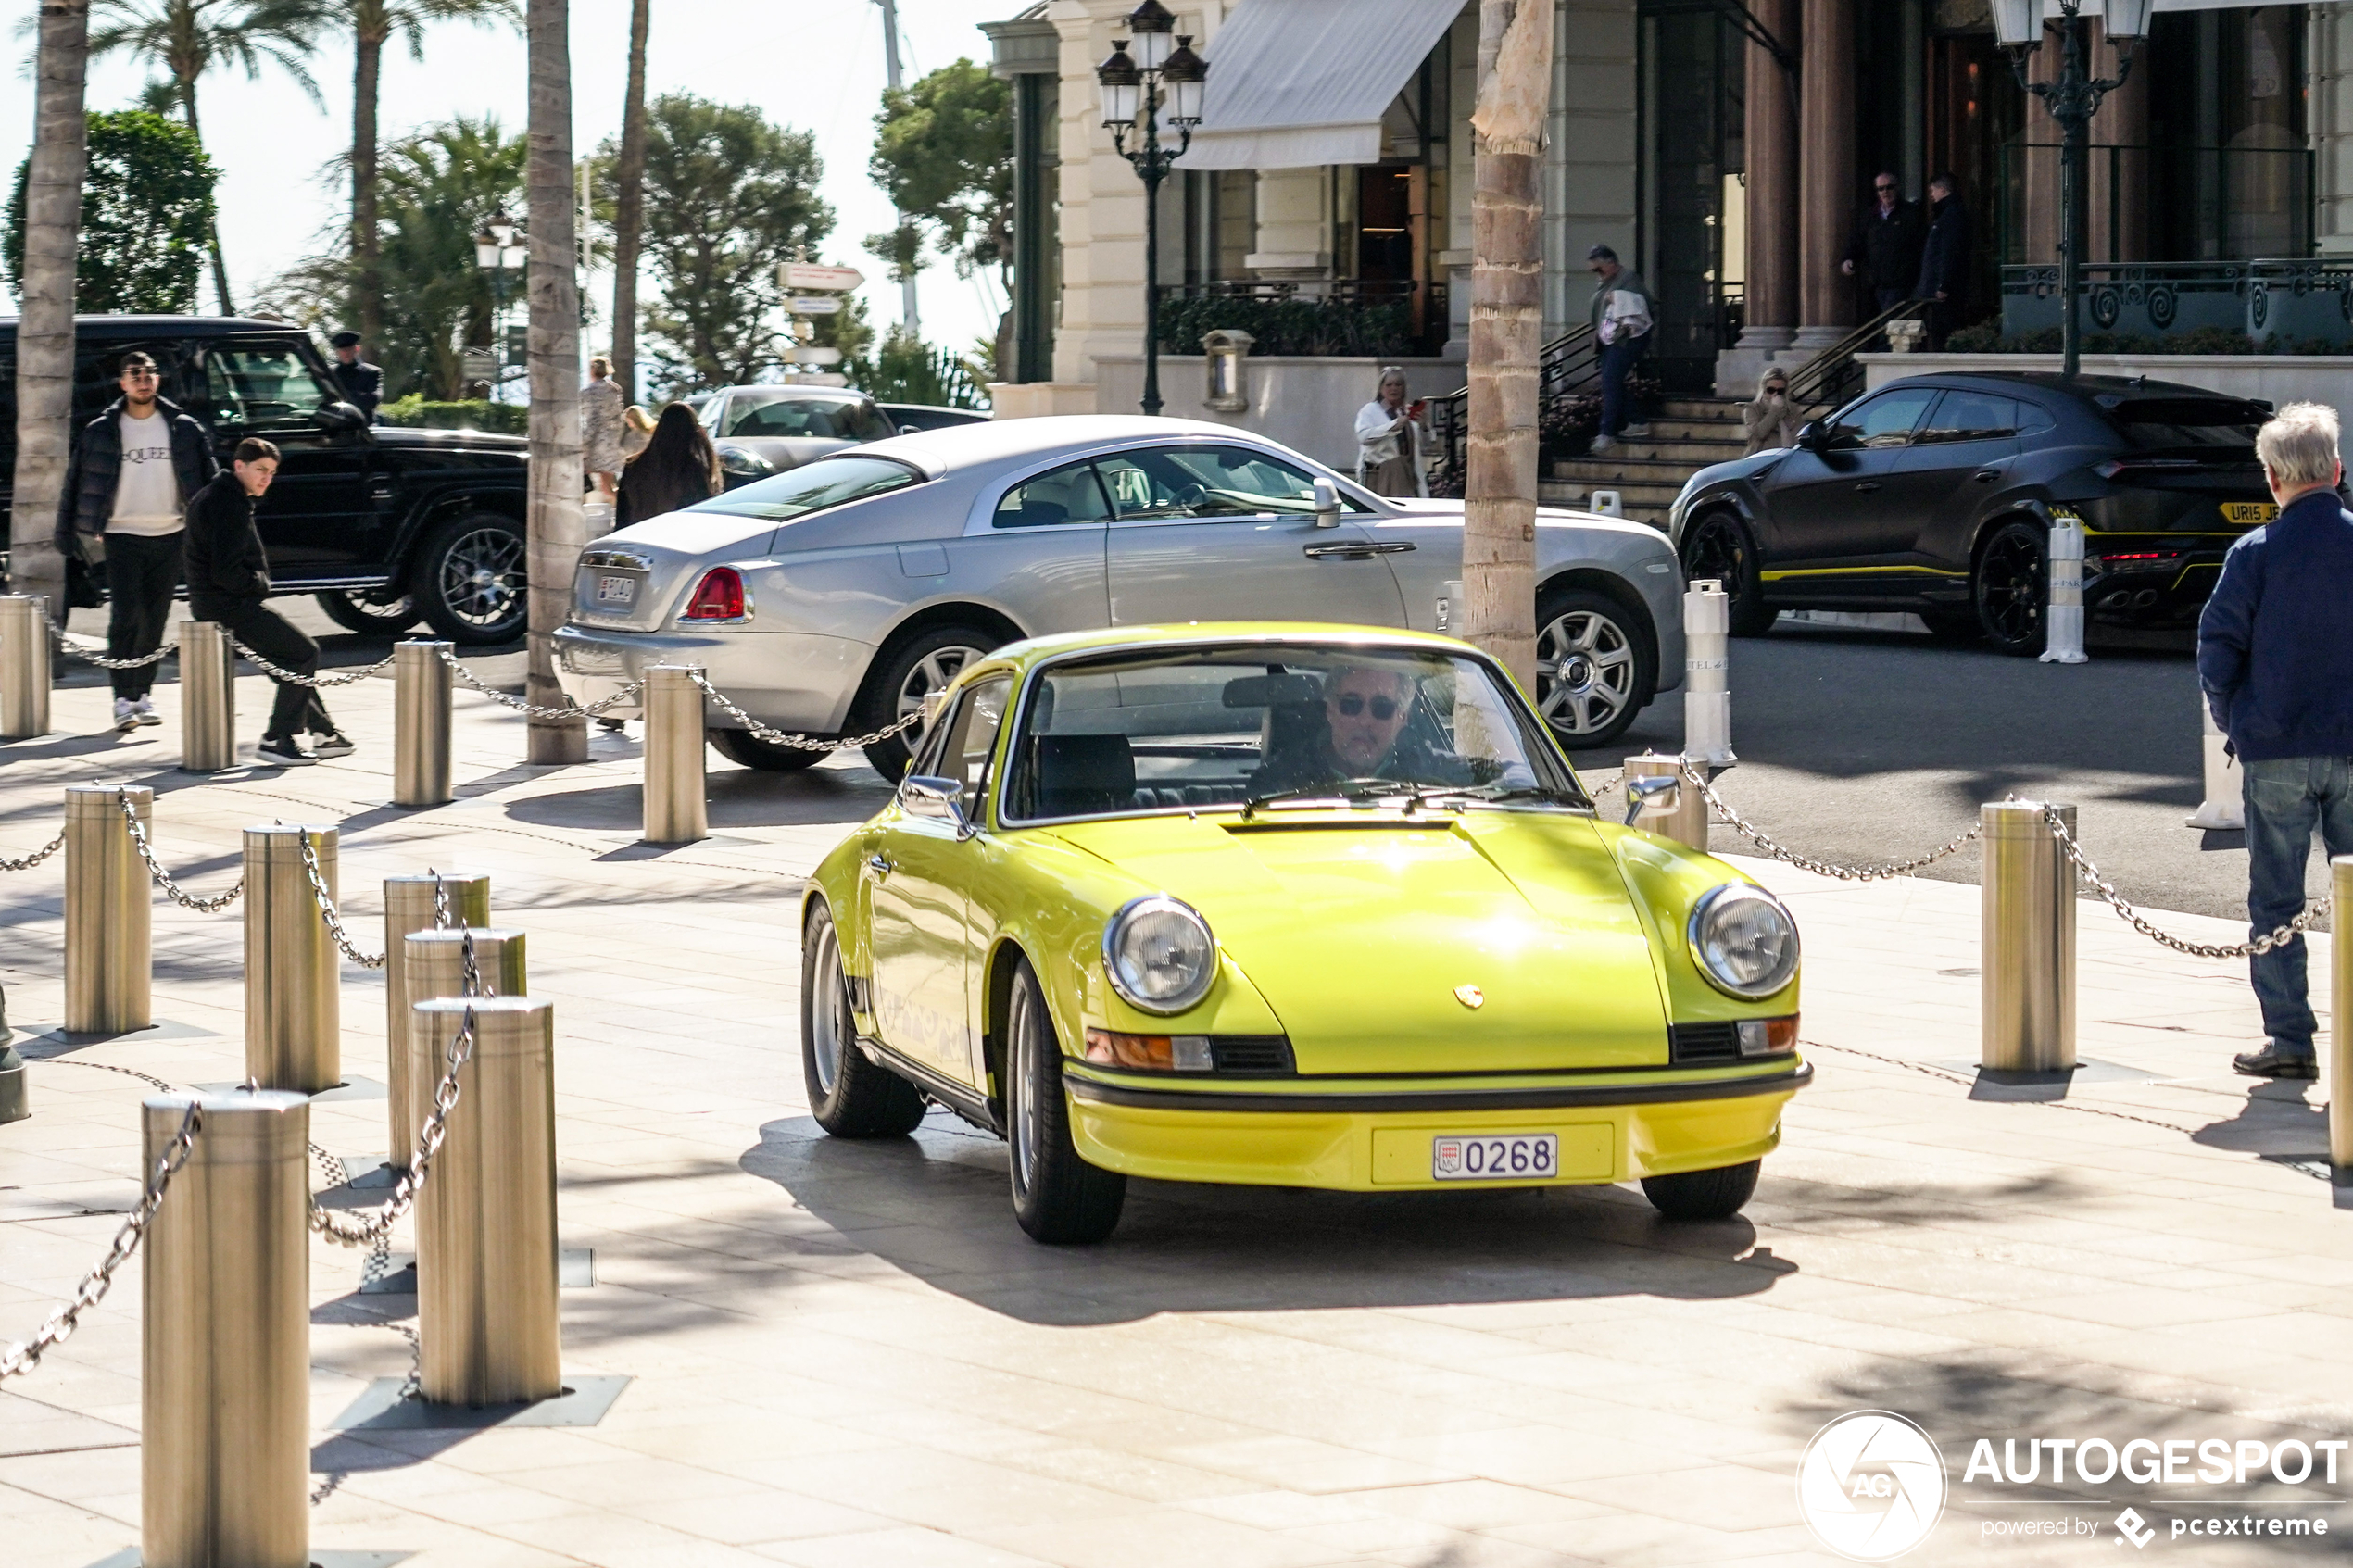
x=374 y=23
x=553 y=524
x=44 y=330
x=188 y=38
x=1506 y=331
x=629 y=205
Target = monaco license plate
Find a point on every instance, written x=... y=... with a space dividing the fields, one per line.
x=2248 y=513
x=1505 y=1156
x=620 y=591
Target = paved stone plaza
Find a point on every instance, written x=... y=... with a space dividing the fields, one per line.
x=848 y=1356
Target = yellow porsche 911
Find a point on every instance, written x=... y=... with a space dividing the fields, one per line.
x=1298 y=906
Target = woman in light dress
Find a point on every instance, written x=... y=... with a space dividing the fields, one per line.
x=1388 y=440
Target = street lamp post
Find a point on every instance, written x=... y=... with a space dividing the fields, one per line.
x=499 y=249
x=2072 y=100
x=1131 y=84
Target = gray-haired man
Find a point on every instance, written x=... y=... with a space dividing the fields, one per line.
x=2275 y=658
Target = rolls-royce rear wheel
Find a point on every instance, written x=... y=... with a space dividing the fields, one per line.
x=913 y=671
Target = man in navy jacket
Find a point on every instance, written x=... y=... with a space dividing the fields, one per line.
x=2275 y=658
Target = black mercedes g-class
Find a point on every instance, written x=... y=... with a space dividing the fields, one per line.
x=387 y=525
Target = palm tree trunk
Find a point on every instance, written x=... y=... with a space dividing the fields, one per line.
x=368 y=300
x=1506 y=331
x=554 y=527
x=220 y=264
x=629 y=207
x=44 y=330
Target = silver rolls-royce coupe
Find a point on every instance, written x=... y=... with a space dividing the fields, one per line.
x=830 y=600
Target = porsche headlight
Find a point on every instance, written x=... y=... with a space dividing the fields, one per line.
x=1159 y=955
x=1743 y=940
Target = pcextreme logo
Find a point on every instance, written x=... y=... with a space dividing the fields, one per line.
x=1872 y=1486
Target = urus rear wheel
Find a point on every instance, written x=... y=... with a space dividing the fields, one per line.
x=1717 y=546
x=2010 y=586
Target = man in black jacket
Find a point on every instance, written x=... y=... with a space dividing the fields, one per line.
x=228 y=580
x=1884 y=250
x=127 y=488
x=363 y=384
x=1944 y=261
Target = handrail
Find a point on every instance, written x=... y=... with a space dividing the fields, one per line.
x=1568 y=365
x=1823 y=381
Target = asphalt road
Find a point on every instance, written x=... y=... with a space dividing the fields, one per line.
x=1864 y=746
x=1861 y=747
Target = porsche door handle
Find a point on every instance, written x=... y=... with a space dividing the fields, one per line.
x=1869 y=484
x=880 y=865
x=1356 y=552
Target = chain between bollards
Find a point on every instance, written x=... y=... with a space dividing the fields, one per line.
x=802 y=743
x=75 y=650
x=35 y=858
x=327 y=911
x=538 y=710
x=162 y=877
x=2133 y=917
x=1757 y=835
x=341 y=678
x=17 y=1359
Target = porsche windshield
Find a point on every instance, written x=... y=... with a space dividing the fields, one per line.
x=1265 y=727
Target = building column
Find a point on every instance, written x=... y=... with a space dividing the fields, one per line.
x=1294 y=234
x=2042 y=223
x=2120 y=180
x=1769 y=307
x=1827 y=194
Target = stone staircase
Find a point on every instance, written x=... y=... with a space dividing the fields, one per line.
x=1687 y=434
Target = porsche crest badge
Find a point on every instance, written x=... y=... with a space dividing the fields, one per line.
x=1470 y=996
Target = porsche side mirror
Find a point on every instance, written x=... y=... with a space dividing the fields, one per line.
x=1661 y=788
x=1326 y=504
x=941 y=799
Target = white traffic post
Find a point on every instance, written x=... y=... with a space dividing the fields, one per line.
x=2063 y=640
x=1707 y=695
x=2223 y=806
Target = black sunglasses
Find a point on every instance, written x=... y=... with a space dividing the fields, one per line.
x=1882 y=187
x=1353 y=703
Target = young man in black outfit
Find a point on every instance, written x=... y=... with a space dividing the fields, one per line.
x=227 y=579
x=134 y=471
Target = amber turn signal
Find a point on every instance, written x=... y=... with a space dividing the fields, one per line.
x=1157 y=1053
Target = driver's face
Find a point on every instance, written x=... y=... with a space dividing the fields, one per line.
x=1366 y=708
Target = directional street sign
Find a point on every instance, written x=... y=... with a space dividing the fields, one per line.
x=813 y=305
x=810 y=275
x=819 y=355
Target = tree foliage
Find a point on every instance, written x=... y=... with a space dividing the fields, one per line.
x=944 y=150
x=737 y=196
x=437 y=188
x=147 y=217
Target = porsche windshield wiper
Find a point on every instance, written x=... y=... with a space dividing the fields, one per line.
x=1341 y=789
x=1488 y=793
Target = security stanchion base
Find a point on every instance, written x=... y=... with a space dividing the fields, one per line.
x=381 y=1408
x=15 y=1104
x=319 y=1557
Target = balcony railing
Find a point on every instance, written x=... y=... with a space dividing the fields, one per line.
x=2291 y=302
x=1371 y=319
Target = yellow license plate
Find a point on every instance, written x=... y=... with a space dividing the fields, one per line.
x=2248 y=513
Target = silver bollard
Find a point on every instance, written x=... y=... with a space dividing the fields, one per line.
x=419 y=724
x=2340 y=1062
x=207 y=698
x=675 y=810
x=1708 y=692
x=224 y=1460
x=433 y=967
x=2027 y=919
x=1684 y=818
x=486 y=1261
x=109 y=914
x=24 y=666
x=2063 y=614
x=16 y=1102
x=294 y=1003
x=2224 y=805
x=410 y=904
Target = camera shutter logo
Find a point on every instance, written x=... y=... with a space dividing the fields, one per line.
x=1872 y=1486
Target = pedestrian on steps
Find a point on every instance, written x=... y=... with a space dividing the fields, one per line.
x=1768 y=418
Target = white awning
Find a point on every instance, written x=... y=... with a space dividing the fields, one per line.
x=1297 y=84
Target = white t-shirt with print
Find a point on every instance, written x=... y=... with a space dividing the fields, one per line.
x=147 y=498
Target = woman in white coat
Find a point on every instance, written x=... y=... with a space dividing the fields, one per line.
x=1388 y=440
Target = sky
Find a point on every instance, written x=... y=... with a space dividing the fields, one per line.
x=813 y=64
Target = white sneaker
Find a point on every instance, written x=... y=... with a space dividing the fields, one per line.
x=1636 y=432
x=145 y=708
x=1601 y=444
x=126 y=714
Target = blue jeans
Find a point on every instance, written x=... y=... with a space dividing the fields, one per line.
x=2286 y=799
x=1617 y=359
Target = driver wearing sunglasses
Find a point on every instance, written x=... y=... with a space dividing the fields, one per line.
x=1365 y=705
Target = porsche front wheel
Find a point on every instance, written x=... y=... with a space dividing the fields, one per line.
x=1703 y=1194
x=1058 y=1197
x=850 y=1096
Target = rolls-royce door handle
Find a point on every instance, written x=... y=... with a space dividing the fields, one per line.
x=1364 y=551
x=1869 y=484
x=1987 y=476
x=880 y=865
